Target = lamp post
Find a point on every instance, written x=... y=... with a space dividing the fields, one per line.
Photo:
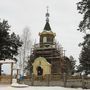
x=64 y=74
x=64 y=53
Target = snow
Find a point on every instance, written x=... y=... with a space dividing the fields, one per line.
x=7 y=61
x=15 y=84
x=3 y=87
x=88 y=75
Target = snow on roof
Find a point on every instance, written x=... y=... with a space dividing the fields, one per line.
x=7 y=61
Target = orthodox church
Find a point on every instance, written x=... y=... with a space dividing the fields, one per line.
x=47 y=57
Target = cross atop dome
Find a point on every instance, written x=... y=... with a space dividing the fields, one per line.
x=47 y=15
x=47 y=25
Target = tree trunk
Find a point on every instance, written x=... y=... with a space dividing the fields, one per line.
x=0 y=69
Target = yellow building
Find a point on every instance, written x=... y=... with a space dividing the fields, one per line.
x=41 y=67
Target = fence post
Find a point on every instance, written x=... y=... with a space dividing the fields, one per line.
x=83 y=79
x=32 y=79
x=11 y=72
x=65 y=79
x=83 y=83
x=48 y=79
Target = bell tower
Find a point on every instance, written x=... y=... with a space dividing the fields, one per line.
x=47 y=51
x=47 y=37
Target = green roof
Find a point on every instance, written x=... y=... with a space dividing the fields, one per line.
x=47 y=27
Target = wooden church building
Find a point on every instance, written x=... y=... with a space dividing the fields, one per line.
x=47 y=57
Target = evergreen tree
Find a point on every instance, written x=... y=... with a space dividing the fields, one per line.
x=84 y=8
x=72 y=65
x=85 y=53
x=69 y=65
x=4 y=37
x=9 y=43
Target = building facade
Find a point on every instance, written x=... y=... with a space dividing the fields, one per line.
x=47 y=56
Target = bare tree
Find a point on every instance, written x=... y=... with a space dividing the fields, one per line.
x=25 y=50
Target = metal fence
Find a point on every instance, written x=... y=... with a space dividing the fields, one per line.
x=58 y=80
x=51 y=80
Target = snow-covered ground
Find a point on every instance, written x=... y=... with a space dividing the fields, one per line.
x=38 y=88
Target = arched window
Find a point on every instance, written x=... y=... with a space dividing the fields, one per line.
x=44 y=39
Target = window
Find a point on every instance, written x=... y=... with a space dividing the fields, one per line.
x=44 y=39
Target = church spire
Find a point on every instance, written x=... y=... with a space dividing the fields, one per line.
x=47 y=25
x=47 y=16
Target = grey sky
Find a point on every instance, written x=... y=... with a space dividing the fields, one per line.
x=64 y=20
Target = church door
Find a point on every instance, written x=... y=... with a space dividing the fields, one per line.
x=39 y=71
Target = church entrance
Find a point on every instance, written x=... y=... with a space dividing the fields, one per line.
x=39 y=71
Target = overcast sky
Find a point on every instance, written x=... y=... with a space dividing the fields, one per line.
x=64 y=20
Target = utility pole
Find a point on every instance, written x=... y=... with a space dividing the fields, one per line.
x=64 y=74
x=64 y=53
